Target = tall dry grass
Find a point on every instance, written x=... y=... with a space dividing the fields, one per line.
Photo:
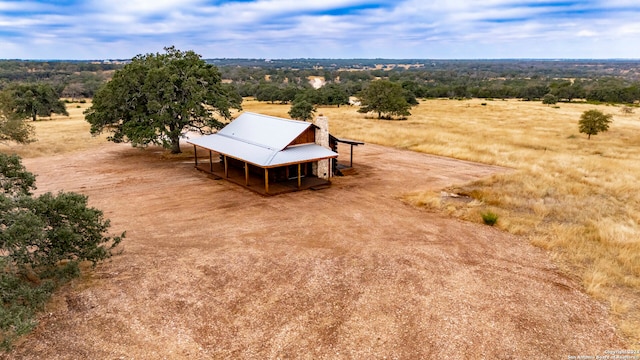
x=58 y=134
x=575 y=197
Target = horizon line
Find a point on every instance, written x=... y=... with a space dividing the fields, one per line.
x=338 y=58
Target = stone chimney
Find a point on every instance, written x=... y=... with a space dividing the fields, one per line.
x=322 y=170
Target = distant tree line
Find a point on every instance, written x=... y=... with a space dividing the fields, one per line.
x=627 y=69
x=283 y=85
x=281 y=81
x=71 y=79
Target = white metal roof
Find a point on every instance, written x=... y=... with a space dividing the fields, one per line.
x=268 y=131
x=255 y=154
x=301 y=153
x=262 y=140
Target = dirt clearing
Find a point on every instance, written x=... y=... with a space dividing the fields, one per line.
x=212 y=270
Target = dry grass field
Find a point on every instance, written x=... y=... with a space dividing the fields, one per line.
x=575 y=198
x=58 y=134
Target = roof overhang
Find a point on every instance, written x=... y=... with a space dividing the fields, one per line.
x=262 y=156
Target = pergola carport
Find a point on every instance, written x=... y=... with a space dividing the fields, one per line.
x=349 y=142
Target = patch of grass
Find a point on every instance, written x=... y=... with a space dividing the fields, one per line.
x=61 y=134
x=489 y=218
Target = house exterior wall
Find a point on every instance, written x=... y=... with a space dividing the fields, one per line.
x=308 y=136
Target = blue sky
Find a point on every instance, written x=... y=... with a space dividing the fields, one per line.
x=277 y=29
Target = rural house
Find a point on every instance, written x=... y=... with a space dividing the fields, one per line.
x=268 y=154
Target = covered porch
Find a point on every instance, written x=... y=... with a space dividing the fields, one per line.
x=262 y=180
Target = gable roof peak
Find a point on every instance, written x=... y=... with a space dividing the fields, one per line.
x=263 y=130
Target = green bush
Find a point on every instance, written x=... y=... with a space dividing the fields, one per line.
x=549 y=99
x=20 y=301
x=42 y=241
x=489 y=218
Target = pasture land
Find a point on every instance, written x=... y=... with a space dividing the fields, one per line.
x=575 y=197
x=58 y=134
x=209 y=269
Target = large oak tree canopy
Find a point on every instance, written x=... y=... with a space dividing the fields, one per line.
x=33 y=100
x=157 y=98
x=384 y=98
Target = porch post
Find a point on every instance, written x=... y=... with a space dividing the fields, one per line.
x=195 y=154
x=246 y=174
x=351 y=161
x=299 y=178
x=226 y=169
x=210 y=161
x=266 y=180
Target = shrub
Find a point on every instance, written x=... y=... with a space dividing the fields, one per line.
x=20 y=299
x=489 y=218
x=42 y=241
x=549 y=99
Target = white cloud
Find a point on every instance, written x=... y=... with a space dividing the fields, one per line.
x=586 y=33
x=6 y=6
x=141 y=7
x=299 y=28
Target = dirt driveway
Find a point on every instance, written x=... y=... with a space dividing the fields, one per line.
x=212 y=270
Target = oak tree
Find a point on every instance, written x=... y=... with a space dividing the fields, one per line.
x=332 y=94
x=39 y=231
x=384 y=98
x=594 y=121
x=13 y=126
x=33 y=100
x=302 y=110
x=158 y=98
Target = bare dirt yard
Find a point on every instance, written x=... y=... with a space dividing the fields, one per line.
x=212 y=270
